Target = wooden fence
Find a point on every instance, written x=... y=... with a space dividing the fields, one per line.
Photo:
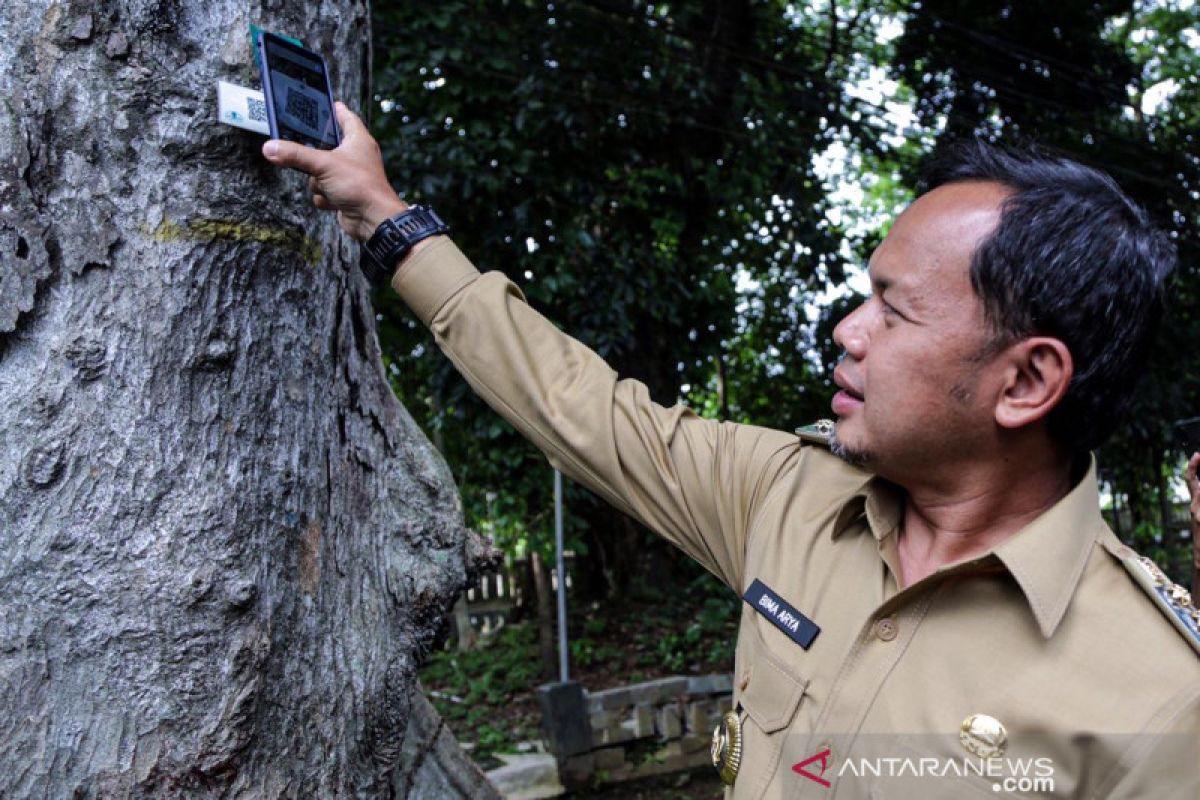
x=492 y=598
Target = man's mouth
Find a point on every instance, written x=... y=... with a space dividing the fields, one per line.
x=848 y=399
x=846 y=385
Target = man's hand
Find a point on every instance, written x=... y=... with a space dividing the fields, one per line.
x=1193 y=485
x=349 y=179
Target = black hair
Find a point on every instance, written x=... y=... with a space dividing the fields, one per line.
x=1072 y=257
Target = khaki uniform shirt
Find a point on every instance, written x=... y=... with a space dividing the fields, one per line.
x=1050 y=634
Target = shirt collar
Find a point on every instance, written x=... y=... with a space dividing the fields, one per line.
x=1046 y=557
x=880 y=502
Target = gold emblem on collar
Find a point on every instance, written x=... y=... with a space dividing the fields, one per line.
x=983 y=736
x=1173 y=600
x=727 y=747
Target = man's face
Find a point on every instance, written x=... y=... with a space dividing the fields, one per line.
x=917 y=391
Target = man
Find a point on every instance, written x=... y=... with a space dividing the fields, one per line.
x=935 y=607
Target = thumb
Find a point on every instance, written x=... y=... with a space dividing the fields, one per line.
x=296 y=156
x=350 y=123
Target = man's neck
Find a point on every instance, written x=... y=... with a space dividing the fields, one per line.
x=970 y=517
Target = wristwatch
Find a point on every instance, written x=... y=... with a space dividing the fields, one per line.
x=395 y=237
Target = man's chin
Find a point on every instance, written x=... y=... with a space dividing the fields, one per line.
x=854 y=456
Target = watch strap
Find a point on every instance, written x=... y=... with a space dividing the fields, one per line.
x=395 y=237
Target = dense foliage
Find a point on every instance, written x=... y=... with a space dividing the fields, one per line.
x=656 y=179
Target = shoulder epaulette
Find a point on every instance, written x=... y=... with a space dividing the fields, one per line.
x=1171 y=598
x=817 y=433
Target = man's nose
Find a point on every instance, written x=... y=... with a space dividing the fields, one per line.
x=850 y=334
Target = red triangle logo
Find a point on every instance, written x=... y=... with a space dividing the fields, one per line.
x=823 y=758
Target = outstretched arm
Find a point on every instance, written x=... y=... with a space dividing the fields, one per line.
x=695 y=481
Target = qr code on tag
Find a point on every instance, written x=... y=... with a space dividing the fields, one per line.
x=302 y=107
x=258 y=109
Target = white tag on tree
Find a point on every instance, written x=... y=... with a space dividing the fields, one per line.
x=242 y=107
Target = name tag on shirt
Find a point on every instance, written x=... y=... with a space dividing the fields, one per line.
x=799 y=628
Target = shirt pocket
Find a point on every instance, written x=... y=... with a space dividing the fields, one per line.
x=769 y=695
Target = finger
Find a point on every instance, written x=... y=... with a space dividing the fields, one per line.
x=322 y=202
x=1193 y=464
x=296 y=156
x=314 y=186
x=348 y=121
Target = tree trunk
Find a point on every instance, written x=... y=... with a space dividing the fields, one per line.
x=547 y=651
x=434 y=765
x=225 y=545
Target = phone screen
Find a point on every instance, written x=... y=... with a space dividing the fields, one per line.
x=297 y=90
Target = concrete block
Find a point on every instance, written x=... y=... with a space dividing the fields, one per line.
x=701 y=716
x=576 y=772
x=614 y=733
x=641 y=722
x=599 y=720
x=526 y=777
x=608 y=758
x=670 y=721
x=690 y=745
x=565 y=721
x=658 y=691
x=610 y=699
x=717 y=683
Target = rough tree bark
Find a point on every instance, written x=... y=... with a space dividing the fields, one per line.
x=224 y=546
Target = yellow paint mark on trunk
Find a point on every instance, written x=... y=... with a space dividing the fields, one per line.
x=204 y=229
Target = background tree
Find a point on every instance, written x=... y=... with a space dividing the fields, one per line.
x=629 y=165
x=225 y=545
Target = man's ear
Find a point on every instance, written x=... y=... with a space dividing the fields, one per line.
x=1038 y=372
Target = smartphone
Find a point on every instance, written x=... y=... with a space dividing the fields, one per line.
x=1187 y=432
x=298 y=94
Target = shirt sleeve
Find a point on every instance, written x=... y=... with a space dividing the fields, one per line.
x=696 y=482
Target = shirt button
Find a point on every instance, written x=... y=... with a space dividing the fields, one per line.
x=745 y=681
x=886 y=629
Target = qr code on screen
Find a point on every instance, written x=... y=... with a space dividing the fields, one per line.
x=302 y=107
x=258 y=109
